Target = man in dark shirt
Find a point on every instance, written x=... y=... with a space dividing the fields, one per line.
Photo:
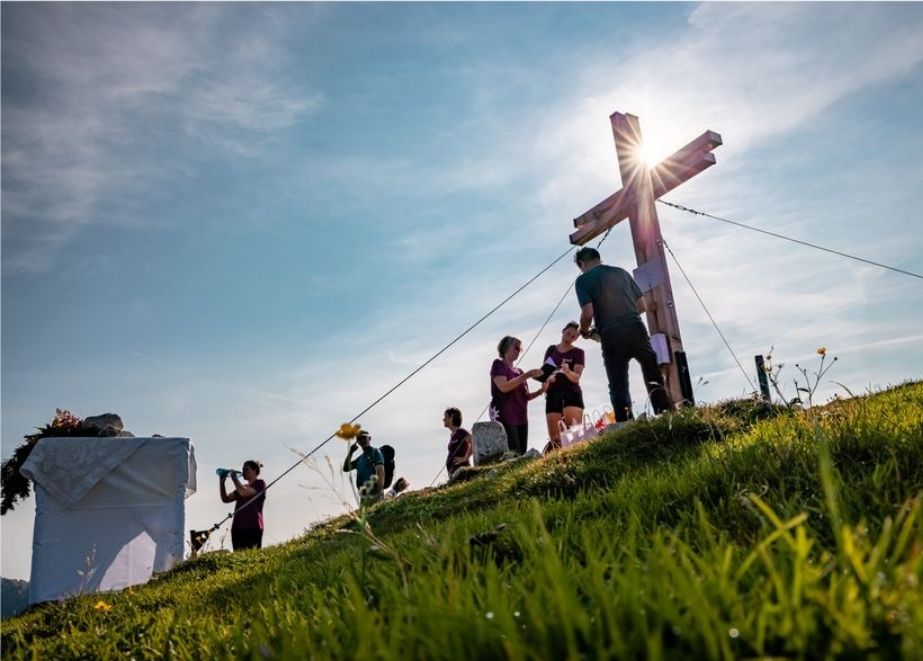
x=611 y=296
x=370 y=464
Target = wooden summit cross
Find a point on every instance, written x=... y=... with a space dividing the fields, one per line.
x=641 y=186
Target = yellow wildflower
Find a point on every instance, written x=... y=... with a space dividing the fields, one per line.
x=103 y=606
x=348 y=431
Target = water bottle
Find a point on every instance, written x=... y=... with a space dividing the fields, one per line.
x=224 y=472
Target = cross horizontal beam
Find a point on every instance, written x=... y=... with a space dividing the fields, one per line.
x=670 y=173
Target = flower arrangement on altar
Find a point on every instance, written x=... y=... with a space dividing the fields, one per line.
x=15 y=485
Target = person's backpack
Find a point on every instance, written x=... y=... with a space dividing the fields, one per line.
x=388 y=453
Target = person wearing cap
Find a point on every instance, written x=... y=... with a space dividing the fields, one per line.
x=369 y=467
x=611 y=297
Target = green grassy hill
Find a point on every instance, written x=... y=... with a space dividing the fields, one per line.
x=727 y=531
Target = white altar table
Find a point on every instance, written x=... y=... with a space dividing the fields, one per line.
x=109 y=512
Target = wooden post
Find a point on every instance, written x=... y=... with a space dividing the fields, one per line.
x=762 y=378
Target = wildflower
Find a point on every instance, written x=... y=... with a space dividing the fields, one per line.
x=822 y=351
x=103 y=606
x=348 y=431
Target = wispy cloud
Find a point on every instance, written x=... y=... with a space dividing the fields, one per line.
x=107 y=92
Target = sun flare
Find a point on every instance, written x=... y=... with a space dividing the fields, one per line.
x=651 y=153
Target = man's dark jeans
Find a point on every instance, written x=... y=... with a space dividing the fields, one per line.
x=620 y=344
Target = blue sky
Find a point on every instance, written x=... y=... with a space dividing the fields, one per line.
x=243 y=222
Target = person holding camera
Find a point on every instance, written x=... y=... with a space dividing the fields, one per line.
x=369 y=467
x=247 y=526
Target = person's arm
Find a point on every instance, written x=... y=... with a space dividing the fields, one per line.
x=508 y=385
x=380 y=474
x=541 y=391
x=349 y=464
x=243 y=490
x=465 y=454
x=469 y=447
x=573 y=375
x=225 y=496
x=586 y=318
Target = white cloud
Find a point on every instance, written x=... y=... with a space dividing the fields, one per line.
x=749 y=71
x=114 y=85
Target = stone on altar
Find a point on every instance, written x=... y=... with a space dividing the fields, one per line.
x=489 y=442
x=106 y=424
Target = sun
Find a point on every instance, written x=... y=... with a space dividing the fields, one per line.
x=651 y=153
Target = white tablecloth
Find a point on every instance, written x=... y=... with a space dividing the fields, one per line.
x=109 y=512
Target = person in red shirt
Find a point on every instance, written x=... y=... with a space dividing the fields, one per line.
x=247 y=526
x=510 y=394
x=460 y=445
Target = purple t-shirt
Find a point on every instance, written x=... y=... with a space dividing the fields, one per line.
x=573 y=358
x=513 y=406
x=252 y=516
x=459 y=446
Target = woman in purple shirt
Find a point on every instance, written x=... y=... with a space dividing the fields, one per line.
x=510 y=394
x=460 y=444
x=564 y=398
x=247 y=526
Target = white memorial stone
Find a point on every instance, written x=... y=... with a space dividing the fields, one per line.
x=489 y=442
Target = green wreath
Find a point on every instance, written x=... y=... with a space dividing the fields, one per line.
x=15 y=485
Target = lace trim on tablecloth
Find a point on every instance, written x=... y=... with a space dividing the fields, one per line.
x=67 y=468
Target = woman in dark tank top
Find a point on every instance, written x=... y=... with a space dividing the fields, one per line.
x=564 y=397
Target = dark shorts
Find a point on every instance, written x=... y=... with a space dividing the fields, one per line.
x=246 y=538
x=558 y=400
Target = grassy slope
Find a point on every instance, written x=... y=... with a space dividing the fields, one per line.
x=711 y=535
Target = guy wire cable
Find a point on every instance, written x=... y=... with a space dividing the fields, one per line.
x=711 y=318
x=788 y=238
